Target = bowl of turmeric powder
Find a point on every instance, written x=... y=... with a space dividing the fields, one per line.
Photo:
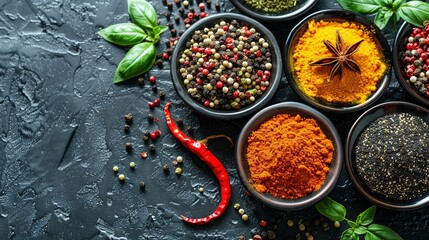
x=289 y=156
x=337 y=61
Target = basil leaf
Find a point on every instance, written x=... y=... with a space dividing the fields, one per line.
x=414 y=12
x=349 y=234
x=370 y=236
x=383 y=232
x=143 y=14
x=396 y=4
x=124 y=34
x=360 y=6
x=158 y=30
x=366 y=217
x=138 y=60
x=383 y=17
x=331 y=209
x=384 y=3
x=360 y=230
x=352 y=224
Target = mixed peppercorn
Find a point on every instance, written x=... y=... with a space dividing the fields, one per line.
x=227 y=66
x=415 y=60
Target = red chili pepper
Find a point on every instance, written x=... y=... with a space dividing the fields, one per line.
x=199 y=149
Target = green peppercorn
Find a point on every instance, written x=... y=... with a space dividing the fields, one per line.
x=178 y=171
x=301 y=227
x=237 y=206
x=115 y=168
x=290 y=223
x=121 y=177
x=132 y=164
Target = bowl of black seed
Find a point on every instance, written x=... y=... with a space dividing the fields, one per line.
x=387 y=155
x=274 y=10
x=226 y=66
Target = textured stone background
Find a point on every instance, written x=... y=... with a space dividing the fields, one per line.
x=61 y=133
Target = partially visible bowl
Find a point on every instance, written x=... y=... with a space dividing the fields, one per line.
x=361 y=123
x=339 y=16
x=399 y=47
x=302 y=6
x=276 y=71
x=304 y=111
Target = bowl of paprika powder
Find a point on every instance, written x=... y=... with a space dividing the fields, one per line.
x=289 y=156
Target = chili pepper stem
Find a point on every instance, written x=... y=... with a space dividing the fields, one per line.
x=205 y=140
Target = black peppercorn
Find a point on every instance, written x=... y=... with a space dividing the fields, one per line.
x=126 y=128
x=128 y=118
x=170 y=25
x=128 y=146
x=170 y=6
x=181 y=11
x=146 y=136
x=167 y=16
x=152 y=147
x=177 y=19
x=142 y=185
x=150 y=118
x=161 y=94
x=173 y=32
x=164 y=2
x=166 y=168
x=159 y=63
x=154 y=88
x=177 y=2
x=190 y=129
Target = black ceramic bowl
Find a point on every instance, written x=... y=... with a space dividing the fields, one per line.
x=398 y=48
x=302 y=6
x=306 y=112
x=276 y=71
x=361 y=123
x=339 y=16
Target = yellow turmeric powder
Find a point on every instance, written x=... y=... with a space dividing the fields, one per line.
x=353 y=88
x=288 y=156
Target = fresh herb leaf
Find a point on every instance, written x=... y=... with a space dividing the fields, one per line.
x=383 y=17
x=349 y=234
x=143 y=14
x=366 y=217
x=396 y=4
x=383 y=232
x=158 y=31
x=331 y=209
x=138 y=60
x=352 y=224
x=360 y=230
x=370 y=236
x=360 y=6
x=414 y=12
x=124 y=34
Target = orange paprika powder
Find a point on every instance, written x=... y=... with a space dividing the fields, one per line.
x=288 y=156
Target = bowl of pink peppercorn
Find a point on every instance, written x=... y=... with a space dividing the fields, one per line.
x=411 y=62
x=226 y=66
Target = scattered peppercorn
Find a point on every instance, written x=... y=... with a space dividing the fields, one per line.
x=179 y=122
x=263 y=223
x=175 y=163
x=152 y=147
x=166 y=168
x=271 y=234
x=126 y=128
x=190 y=129
x=237 y=206
x=115 y=168
x=140 y=81
x=290 y=223
x=301 y=227
x=244 y=217
x=170 y=6
x=150 y=118
x=217 y=5
x=178 y=171
x=167 y=16
x=241 y=211
x=132 y=164
x=201 y=189
x=128 y=118
x=257 y=237
x=128 y=146
x=337 y=224
x=142 y=185
x=179 y=159
x=154 y=88
x=143 y=154
x=177 y=19
x=121 y=177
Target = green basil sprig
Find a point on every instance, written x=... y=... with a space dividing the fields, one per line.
x=143 y=34
x=414 y=12
x=362 y=226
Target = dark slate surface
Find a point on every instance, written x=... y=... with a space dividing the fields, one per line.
x=61 y=133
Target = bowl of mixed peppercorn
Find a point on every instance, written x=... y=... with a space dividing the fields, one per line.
x=274 y=10
x=226 y=66
x=411 y=62
x=337 y=61
x=387 y=157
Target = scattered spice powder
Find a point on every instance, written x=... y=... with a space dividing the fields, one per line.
x=391 y=156
x=289 y=156
x=354 y=87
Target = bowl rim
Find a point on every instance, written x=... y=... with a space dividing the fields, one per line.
x=350 y=143
x=288 y=15
x=330 y=181
x=399 y=39
x=340 y=14
x=276 y=74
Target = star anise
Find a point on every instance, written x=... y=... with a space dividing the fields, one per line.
x=341 y=58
